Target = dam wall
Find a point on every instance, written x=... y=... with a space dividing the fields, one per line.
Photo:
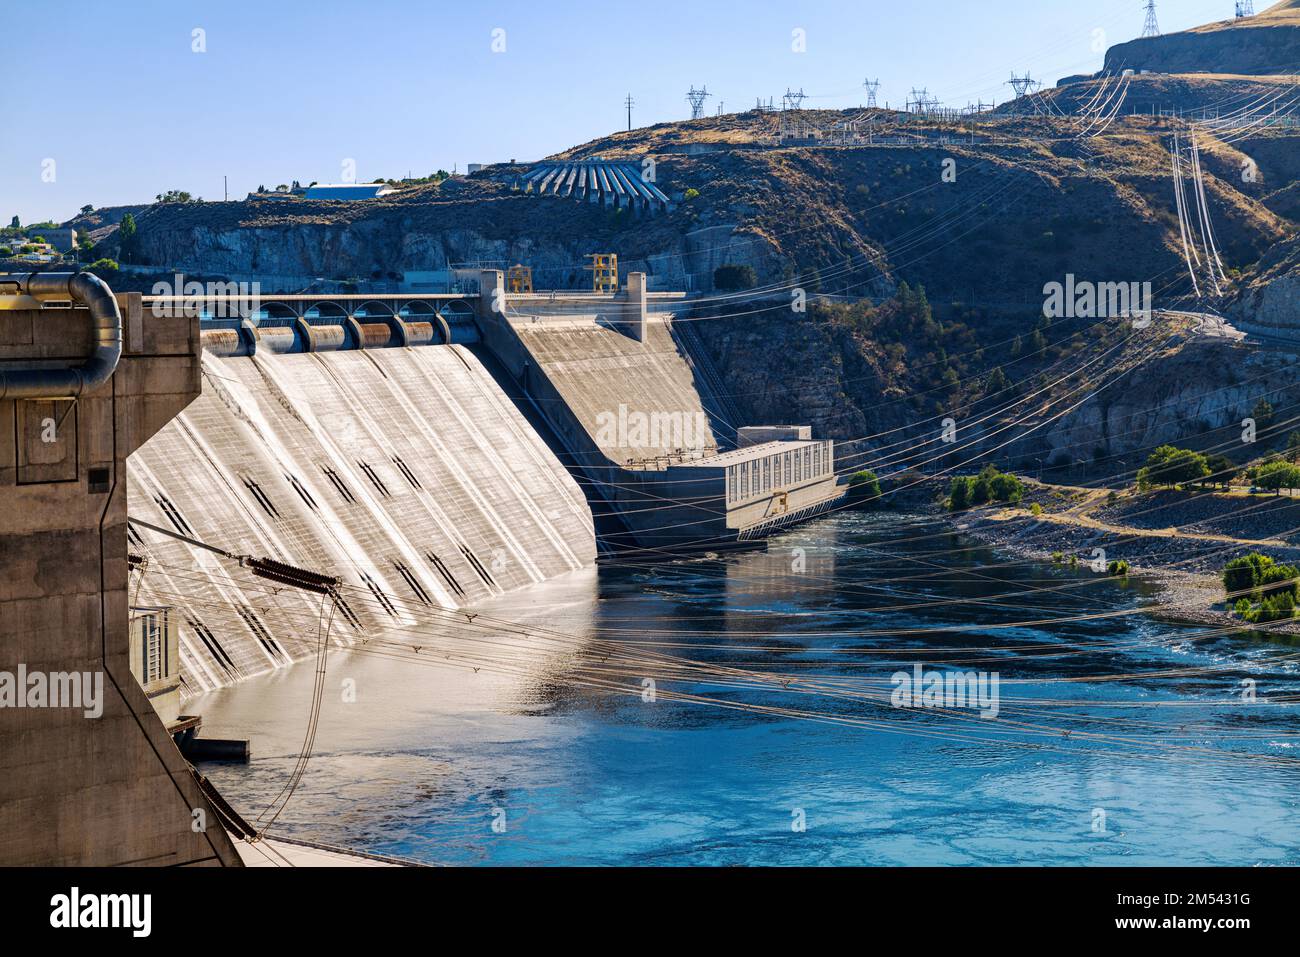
x=639 y=423
x=407 y=472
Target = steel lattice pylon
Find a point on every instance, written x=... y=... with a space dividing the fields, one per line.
x=696 y=98
x=1151 y=28
x=871 y=86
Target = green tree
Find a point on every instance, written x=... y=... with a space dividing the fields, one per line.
x=1277 y=580
x=990 y=485
x=1262 y=414
x=864 y=486
x=1277 y=476
x=1168 y=465
x=959 y=493
x=126 y=238
x=1222 y=470
x=105 y=269
x=1244 y=573
x=15 y=224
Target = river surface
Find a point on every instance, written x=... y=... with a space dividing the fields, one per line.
x=796 y=755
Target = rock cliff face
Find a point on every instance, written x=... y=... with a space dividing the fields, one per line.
x=1197 y=394
x=1272 y=299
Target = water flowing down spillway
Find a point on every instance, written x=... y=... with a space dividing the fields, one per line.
x=407 y=472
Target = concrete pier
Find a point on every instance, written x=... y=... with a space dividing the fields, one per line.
x=99 y=782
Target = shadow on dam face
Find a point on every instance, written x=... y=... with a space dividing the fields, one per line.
x=408 y=473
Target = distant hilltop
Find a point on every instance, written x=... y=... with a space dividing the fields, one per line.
x=1265 y=44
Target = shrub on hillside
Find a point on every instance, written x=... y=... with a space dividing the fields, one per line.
x=990 y=485
x=1273 y=586
x=864 y=486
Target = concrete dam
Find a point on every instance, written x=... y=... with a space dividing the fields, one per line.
x=434 y=465
x=403 y=470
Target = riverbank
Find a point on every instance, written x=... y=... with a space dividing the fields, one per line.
x=1177 y=542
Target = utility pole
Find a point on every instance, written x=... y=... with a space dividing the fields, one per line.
x=225 y=187
x=1151 y=28
x=628 y=102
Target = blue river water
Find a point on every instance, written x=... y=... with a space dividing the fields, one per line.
x=1119 y=738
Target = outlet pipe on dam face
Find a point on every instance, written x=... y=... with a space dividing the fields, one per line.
x=84 y=289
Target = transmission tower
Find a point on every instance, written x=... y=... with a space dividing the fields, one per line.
x=1023 y=84
x=1245 y=8
x=1151 y=28
x=872 y=86
x=793 y=101
x=629 y=103
x=696 y=98
x=920 y=101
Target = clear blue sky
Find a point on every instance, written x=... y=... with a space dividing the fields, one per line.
x=289 y=89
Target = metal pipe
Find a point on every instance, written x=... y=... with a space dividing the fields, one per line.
x=85 y=289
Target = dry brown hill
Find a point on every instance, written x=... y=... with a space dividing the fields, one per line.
x=1268 y=43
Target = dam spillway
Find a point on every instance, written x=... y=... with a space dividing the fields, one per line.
x=407 y=472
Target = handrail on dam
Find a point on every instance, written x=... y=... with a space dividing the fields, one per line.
x=83 y=289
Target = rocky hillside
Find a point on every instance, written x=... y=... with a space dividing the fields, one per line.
x=1267 y=43
x=1272 y=298
x=1028 y=204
